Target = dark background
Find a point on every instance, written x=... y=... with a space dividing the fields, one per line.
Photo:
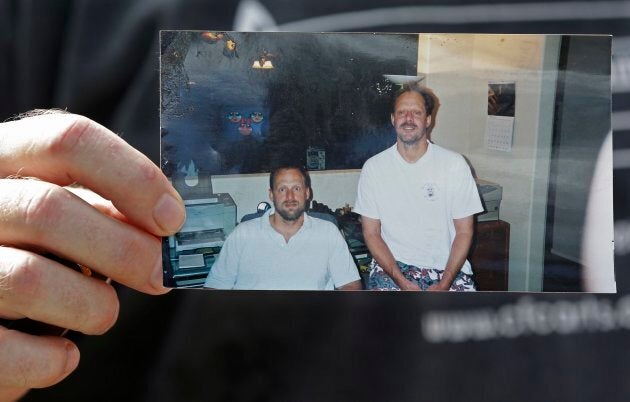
x=322 y=92
x=100 y=59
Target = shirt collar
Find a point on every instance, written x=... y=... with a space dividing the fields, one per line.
x=265 y=223
x=419 y=161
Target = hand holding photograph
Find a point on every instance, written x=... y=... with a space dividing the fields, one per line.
x=349 y=161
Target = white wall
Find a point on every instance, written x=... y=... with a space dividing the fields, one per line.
x=458 y=68
x=335 y=188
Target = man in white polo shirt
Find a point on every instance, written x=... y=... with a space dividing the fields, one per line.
x=285 y=249
x=417 y=202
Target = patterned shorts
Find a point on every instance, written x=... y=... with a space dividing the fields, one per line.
x=423 y=277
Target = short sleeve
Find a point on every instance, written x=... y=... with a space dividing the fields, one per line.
x=465 y=196
x=366 y=204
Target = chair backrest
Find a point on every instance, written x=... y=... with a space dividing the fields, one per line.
x=320 y=215
x=325 y=216
x=251 y=216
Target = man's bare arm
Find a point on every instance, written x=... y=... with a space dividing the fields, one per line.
x=382 y=254
x=459 y=252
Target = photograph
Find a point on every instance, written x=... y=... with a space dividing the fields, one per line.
x=374 y=161
x=501 y=97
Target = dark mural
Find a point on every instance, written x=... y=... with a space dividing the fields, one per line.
x=325 y=92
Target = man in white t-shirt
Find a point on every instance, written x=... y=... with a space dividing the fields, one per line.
x=285 y=249
x=417 y=202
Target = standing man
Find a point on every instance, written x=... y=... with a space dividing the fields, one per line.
x=417 y=202
x=285 y=249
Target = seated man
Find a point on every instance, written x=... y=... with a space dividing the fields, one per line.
x=285 y=248
x=417 y=201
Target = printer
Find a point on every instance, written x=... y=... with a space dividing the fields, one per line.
x=491 y=194
x=193 y=250
x=208 y=222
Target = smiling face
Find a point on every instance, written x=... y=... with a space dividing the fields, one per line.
x=289 y=194
x=410 y=118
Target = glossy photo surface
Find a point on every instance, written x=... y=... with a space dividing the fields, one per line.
x=530 y=114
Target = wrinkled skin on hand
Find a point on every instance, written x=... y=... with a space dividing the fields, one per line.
x=111 y=224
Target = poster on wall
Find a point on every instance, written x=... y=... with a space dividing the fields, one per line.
x=500 y=122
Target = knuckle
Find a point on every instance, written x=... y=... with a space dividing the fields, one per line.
x=67 y=139
x=108 y=312
x=127 y=253
x=43 y=208
x=23 y=277
x=130 y=252
x=132 y=263
x=149 y=170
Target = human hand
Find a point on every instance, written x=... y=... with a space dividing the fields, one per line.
x=439 y=286
x=118 y=239
x=409 y=285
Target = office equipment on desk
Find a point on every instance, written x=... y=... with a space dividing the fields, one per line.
x=187 y=261
x=208 y=222
x=192 y=269
x=491 y=195
x=350 y=227
x=193 y=250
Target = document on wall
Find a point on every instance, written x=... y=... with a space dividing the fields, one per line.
x=499 y=133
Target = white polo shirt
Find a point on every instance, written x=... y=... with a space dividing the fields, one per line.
x=255 y=257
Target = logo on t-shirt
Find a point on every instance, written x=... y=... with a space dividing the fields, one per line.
x=430 y=191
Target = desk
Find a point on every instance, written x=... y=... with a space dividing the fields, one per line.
x=489 y=255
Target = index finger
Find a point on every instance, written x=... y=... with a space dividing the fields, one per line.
x=67 y=148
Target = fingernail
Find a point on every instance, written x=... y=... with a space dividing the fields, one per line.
x=72 y=359
x=169 y=213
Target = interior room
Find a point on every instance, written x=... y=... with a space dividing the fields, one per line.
x=233 y=105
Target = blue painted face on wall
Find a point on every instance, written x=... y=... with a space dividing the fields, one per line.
x=245 y=121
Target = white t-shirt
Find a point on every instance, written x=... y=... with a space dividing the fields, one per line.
x=417 y=202
x=256 y=257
